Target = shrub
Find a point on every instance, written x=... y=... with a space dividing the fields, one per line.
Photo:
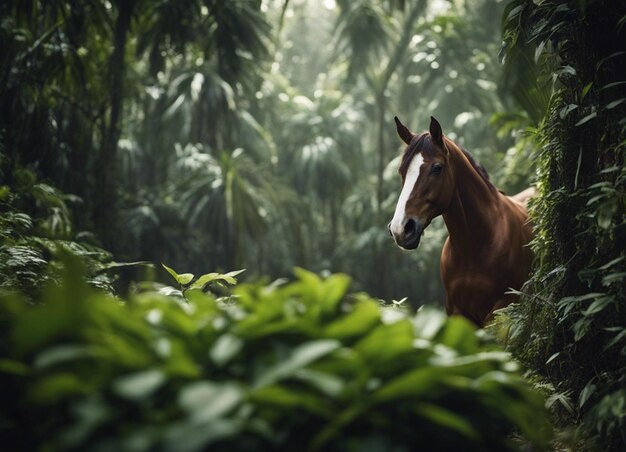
x=273 y=367
x=35 y=224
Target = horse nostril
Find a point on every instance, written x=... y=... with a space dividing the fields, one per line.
x=389 y=229
x=410 y=227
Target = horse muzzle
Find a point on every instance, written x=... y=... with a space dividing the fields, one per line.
x=409 y=239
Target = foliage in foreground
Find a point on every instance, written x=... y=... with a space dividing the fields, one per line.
x=272 y=367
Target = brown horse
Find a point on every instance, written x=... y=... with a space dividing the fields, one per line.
x=486 y=252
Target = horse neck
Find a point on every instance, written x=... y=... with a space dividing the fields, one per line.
x=470 y=217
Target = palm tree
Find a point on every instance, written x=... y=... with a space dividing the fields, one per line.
x=363 y=27
x=226 y=195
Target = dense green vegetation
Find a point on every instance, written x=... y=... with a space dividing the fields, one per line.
x=220 y=135
x=571 y=327
x=35 y=225
x=277 y=368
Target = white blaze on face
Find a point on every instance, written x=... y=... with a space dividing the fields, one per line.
x=399 y=217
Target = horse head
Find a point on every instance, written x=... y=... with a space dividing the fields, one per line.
x=427 y=183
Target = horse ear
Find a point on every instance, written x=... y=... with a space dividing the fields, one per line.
x=435 y=131
x=404 y=133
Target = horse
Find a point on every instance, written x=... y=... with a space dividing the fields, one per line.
x=486 y=253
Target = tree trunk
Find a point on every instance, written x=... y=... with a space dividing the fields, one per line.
x=382 y=125
x=105 y=205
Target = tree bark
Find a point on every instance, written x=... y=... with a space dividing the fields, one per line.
x=105 y=205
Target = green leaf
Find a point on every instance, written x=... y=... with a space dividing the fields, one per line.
x=8 y=366
x=581 y=328
x=566 y=110
x=183 y=279
x=563 y=399
x=552 y=357
x=333 y=290
x=53 y=388
x=311 y=283
x=4 y=192
x=577 y=298
x=283 y=397
x=172 y=109
x=615 y=103
x=412 y=384
x=447 y=419
x=612 y=85
x=203 y=280
x=60 y=354
x=364 y=316
x=613 y=278
x=225 y=349
x=205 y=401
x=339 y=421
x=229 y=279
x=539 y=50
x=300 y=357
x=598 y=305
x=194 y=436
x=587 y=118
x=611 y=263
x=611 y=56
x=235 y=273
x=139 y=385
x=473 y=363
x=329 y=384
x=585 y=91
x=428 y=322
x=170 y=271
x=514 y=13
x=587 y=391
x=618 y=337
x=386 y=343
x=459 y=334
x=566 y=70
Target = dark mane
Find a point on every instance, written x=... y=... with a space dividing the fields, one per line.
x=478 y=168
x=423 y=142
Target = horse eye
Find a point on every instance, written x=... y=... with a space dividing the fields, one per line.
x=436 y=169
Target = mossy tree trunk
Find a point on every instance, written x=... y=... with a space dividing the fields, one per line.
x=571 y=326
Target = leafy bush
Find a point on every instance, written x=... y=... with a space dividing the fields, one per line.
x=35 y=224
x=272 y=367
